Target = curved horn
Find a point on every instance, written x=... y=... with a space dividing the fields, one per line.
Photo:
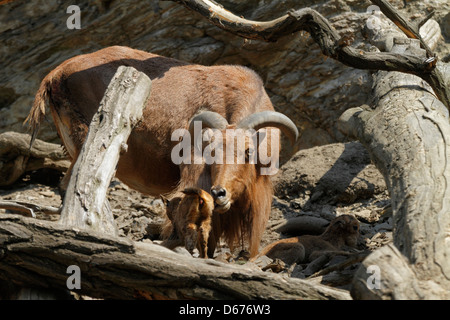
x=275 y=119
x=209 y=119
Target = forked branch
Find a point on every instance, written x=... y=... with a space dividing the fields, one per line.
x=330 y=42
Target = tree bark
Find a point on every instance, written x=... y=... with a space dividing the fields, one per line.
x=406 y=132
x=38 y=253
x=85 y=205
x=16 y=156
x=27 y=208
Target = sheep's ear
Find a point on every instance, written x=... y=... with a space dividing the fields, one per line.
x=164 y=200
x=201 y=202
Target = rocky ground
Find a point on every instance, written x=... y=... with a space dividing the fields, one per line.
x=316 y=184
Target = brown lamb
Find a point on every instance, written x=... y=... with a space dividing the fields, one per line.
x=189 y=220
x=342 y=231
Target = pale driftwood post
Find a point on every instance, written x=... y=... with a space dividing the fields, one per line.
x=407 y=133
x=85 y=205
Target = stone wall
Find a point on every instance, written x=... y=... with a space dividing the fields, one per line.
x=302 y=83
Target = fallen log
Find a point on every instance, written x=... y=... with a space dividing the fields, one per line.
x=27 y=208
x=38 y=253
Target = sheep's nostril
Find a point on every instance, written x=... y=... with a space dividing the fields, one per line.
x=218 y=192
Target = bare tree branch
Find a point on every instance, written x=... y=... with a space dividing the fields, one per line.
x=27 y=208
x=330 y=42
x=17 y=157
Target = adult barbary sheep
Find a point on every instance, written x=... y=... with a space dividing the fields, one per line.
x=220 y=97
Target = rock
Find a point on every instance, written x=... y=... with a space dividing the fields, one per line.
x=385 y=226
x=262 y=261
x=297 y=272
x=366 y=215
x=335 y=173
x=379 y=239
x=225 y=257
x=276 y=266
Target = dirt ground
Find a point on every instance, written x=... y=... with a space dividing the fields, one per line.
x=318 y=184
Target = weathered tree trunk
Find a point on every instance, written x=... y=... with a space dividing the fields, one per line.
x=407 y=134
x=39 y=252
x=85 y=205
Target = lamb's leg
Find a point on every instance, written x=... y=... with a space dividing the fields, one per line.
x=205 y=228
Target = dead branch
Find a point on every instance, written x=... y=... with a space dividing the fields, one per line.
x=16 y=156
x=330 y=42
x=27 y=208
x=13 y=206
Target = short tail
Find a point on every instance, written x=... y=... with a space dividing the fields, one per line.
x=37 y=111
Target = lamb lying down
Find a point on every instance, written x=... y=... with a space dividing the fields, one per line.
x=343 y=231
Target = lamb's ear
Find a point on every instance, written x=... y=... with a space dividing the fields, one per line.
x=192 y=191
x=164 y=200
